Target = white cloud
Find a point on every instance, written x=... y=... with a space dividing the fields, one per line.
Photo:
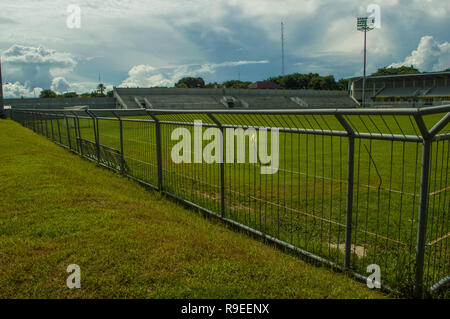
x=430 y=55
x=123 y=34
x=150 y=76
x=60 y=85
x=17 y=90
x=35 y=66
x=19 y=54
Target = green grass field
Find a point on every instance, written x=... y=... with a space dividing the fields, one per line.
x=57 y=209
x=304 y=203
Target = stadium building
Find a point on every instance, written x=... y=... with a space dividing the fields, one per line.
x=406 y=90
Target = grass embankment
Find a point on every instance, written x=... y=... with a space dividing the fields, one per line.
x=57 y=209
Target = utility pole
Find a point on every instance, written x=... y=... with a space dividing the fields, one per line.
x=282 y=48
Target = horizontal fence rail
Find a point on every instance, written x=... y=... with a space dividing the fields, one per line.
x=351 y=188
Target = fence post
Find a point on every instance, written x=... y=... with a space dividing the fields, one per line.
x=96 y=134
x=122 y=159
x=222 y=165
x=158 y=151
x=33 y=121
x=423 y=212
x=77 y=131
x=39 y=123
x=68 y=131
x=51 y=124
x=45 y=116
x=428 y=136
x=349 y=203
x=41 y=117
x=59 y=129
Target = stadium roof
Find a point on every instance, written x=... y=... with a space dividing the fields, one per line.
x=403 y=75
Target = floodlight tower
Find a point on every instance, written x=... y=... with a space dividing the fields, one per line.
x=365 y=25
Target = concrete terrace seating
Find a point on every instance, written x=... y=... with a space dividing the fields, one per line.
x=329 y=102
x=439 y=91
x=186 y=101
x=411 y=92
x=174 y=98
x=398 y=92
x=267 y=102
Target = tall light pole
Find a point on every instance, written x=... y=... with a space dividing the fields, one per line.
x=365 y=25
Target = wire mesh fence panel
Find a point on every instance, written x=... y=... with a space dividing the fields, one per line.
x=185 y=174
x=139 y=150
x=387 y=180
x=437 y=251
x=64 y=132
x=352 y=188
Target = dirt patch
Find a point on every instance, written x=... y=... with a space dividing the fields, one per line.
x=357 y=250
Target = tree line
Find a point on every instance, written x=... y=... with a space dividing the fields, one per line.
x=99 y=92
x=295 y=81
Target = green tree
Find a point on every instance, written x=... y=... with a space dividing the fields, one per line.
x=343 y=84
x=396 y=71
x=110 y=93
x=235 y=84
x=45 y=94
x=96 y=94
x=329 y=83
x=298 y=81
x=191 y=82
x=181 y=85
x=212 y=85
x=101 y=89
x=316 y=83
x=69 y=94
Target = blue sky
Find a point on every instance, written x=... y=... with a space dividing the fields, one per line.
x=156 y=42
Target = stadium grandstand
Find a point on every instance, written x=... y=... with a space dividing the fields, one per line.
x=406 y=90
x=180 y=98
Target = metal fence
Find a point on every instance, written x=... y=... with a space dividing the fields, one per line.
x=354 y=187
